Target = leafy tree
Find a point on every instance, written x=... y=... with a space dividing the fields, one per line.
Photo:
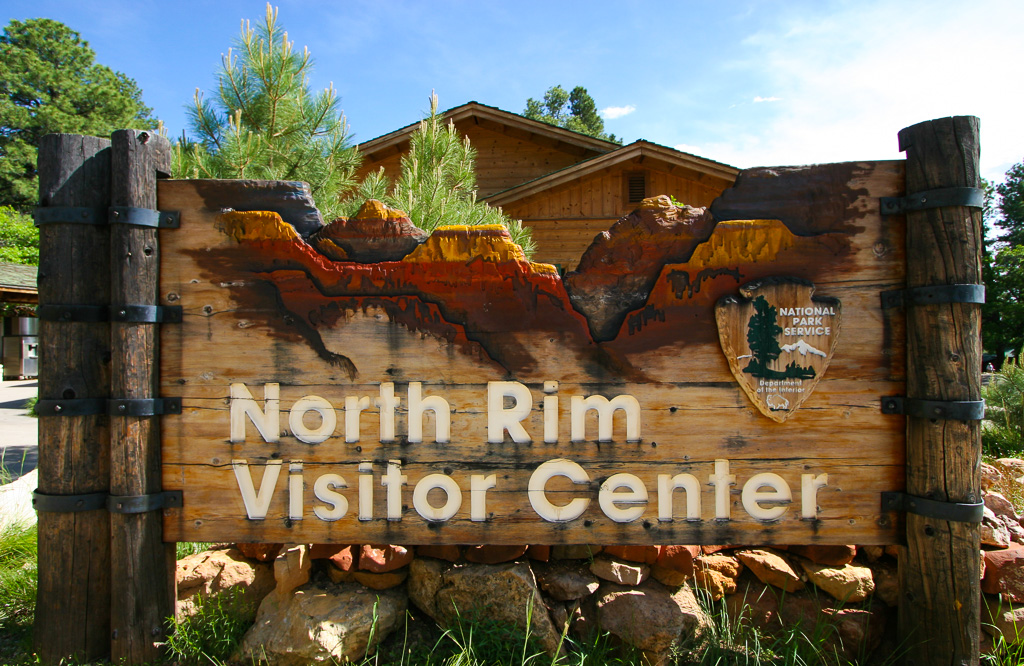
x=49 y=83
x=265 y=123
x=1003 y=264
x=19 y=238
x=437 y=183
x=574 y=110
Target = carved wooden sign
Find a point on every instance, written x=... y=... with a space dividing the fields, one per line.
x=361 y=382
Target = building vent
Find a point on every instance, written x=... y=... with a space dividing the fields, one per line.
x=636 y=187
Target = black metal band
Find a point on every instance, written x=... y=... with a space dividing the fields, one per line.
x=68 y=503
x=971 y=197
x=950 y=410
x=75 y=407
x=143 y=406
x=69 y=215
x=145 y=217
x=929 y=508
x=169 y=499
x=942 y=293
x=135 y=314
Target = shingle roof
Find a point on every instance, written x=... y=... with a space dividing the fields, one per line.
x=18 y=276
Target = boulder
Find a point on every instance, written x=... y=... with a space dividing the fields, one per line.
x=679 y=558
x=264 y=552
x=321 y=622
x=1012 y=467
x=833 y=556
x=726 y=565
x=376 y=233
x=847 y=583
x=226 y=570
x=872 y=553
x=990 y=476
x=493 y=554
x=346 y=559
x=565 y=582
x=325 y=551
x=504 y=593
x=618 y=571
x=381 y=559
x=645 y=554
x=668 y=577
x=1002 y=618
x=1004 y=573
x=994 y=532
x=716 y=574
x=1001 y=506
x=291 y=568
x=771 y=568
x=381 y=581
x=887 y=586
x=650 y=617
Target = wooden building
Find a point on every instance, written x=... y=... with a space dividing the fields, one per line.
x=566 y=186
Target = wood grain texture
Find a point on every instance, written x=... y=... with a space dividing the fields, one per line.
x=939 y=601
x=73 y=607
x=272 y=311
x=142 y=564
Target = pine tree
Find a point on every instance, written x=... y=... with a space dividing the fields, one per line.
x=574 y=110
x=437 y=183
x=265 y=123
x=762 y=337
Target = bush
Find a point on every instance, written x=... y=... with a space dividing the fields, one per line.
x=1002 y=434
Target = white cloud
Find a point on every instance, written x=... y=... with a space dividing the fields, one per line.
x=759 y=99
x=613 y=112
x=687 y=148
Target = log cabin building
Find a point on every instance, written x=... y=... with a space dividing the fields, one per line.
x=566 y=186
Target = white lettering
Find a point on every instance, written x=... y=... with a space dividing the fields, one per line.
x=423 y=506
x=538 y=498
x=267 y=421
x=610 y=500
x=605 y=408
x=500 y=419
x=256 y=506
x=435 y=403
x=752 y=496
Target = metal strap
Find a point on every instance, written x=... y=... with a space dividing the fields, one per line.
x=69 y=215
x=929 y=508
x=68 y=503
x=943 y=293
x=135 y=314
x=74 y=407
x=971 y=197
x=147 y=314
x=169 y=499
x=950 y=410
x=143 y=406
x=145 y=217
x=76 y=313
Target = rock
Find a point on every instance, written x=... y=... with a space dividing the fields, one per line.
x=539 y=553
x=645 y=554
x=493 y=554
x=716 y=574
x=833 y=556
x=994 y=532
x=893 y=552
x=380 y=559
x=339 y=576
x=1002 y=618
x=499 y=592
x=859 y=630
x=650 y=617
x=292 y=200
x=574 y=552
x=887 y=586
x=448 y=553
x=848 y=583
x=565 y=582
x=1004 y=573
x=982 y=563
x=214 y=572
x=711 y=550
x=264 y=552
x=320 y=622
x=1001 y=506
x=381 y=581
x=1012 y=467
x=727 y=565
x=376 y=233
x=325 y=551
x=872 y=553
x=679 y=558
x=291 y=568
x=771 y=568
x=616 y=273
x=668 y=577
x=346 y=559
x=617 y=571
x=990 y=476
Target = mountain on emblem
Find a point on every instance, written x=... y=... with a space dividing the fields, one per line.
x=778 y=338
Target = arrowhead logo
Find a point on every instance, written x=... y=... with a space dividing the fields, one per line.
x=778 y=339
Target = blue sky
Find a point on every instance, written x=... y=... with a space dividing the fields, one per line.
x=745 y=83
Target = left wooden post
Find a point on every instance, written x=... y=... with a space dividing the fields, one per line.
x=73 y=598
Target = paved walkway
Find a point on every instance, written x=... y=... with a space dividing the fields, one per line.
x=19 y=453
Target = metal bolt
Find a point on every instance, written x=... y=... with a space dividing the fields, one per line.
x=85 y=213
x=938 y=411
x=123 y=313
x=116 y=213
x=57 y=408
x=122 y=407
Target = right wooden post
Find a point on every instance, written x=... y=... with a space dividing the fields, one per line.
x=939 y=611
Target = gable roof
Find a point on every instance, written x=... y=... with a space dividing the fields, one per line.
x=18 y=283
x=670 y=158
x=495 y=118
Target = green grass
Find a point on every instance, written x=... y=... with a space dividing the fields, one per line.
x=18 y=581
x=1002 y=433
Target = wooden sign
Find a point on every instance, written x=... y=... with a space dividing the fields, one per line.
x=344 y=383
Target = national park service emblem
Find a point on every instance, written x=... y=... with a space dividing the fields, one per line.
x=779 y=339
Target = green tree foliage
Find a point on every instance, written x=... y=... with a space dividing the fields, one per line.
x=1003 y=433
x=763 y=337
x=574 y=110
x=437 y=184
x=19 y=238
x=51 y=83
x=265 y=123
x=1003 y=265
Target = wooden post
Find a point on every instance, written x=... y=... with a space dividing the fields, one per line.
x=142 y=565
x=73 y=598
x=940 y=568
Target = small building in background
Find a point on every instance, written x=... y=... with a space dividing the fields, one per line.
x=20 y=343
x=566 y=186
